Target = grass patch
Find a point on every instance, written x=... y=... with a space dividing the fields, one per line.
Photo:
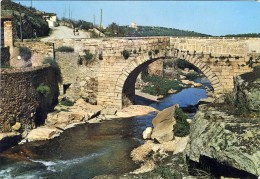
x=66 y=102
x=160 y=85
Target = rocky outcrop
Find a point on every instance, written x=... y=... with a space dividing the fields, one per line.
x=246 y=91
x=163 y=125
x=8 y=140
x=133 y=110
x=79 y=112
x=229 y=140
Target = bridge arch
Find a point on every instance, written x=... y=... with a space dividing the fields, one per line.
x=125 y=84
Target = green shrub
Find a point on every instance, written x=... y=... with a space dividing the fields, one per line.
x=65 y=49
x=126 y=54
x=49 y=60
x=43 y=89
x=165 y=172
x=25 y=53
x=100 y=56
x=88 y=56
x=134 y=51
x=80 y=61
x=192 y=75
x=182 y=127
x=150 y=53
x=66 y=102
x=229 y=98
x=156 y=51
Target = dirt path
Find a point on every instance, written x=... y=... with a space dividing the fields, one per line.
x=63 y=32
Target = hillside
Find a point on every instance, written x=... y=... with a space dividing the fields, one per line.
x=31 y=19
x=243 y=35
x=143 y=31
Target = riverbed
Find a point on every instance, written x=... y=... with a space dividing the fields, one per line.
x=88 y=150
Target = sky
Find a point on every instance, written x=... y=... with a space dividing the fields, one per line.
x=209 y=17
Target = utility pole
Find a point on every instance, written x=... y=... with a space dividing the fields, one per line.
x=100 y=18
x=31 y=4
x=21 y=31
x=94 y=21
x=69 y=11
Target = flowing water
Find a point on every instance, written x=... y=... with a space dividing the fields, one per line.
x=88 y=150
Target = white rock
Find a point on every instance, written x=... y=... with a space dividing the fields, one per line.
x=41 y=133
x=147 y=133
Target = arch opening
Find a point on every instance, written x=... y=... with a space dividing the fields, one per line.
x=128 y=87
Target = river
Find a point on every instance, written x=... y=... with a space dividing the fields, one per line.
x=88 y=150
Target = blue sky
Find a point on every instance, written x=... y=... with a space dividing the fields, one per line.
x=210 y=17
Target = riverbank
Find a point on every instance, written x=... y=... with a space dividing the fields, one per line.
x=87 y=144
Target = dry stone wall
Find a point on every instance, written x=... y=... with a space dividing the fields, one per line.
x=20 y=102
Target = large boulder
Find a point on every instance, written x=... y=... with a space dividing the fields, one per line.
x=42 y=133
x=229 y=140
x=246 y=91
x=163 y=125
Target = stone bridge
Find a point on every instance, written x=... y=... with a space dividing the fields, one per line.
x=220 y=59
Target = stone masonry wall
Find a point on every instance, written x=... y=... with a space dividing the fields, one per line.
x=78 y=81
x=20 y=102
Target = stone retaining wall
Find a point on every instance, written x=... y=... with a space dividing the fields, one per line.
x=20 y=102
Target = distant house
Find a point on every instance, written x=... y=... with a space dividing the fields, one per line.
x=51 y=18
x=133 y=25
